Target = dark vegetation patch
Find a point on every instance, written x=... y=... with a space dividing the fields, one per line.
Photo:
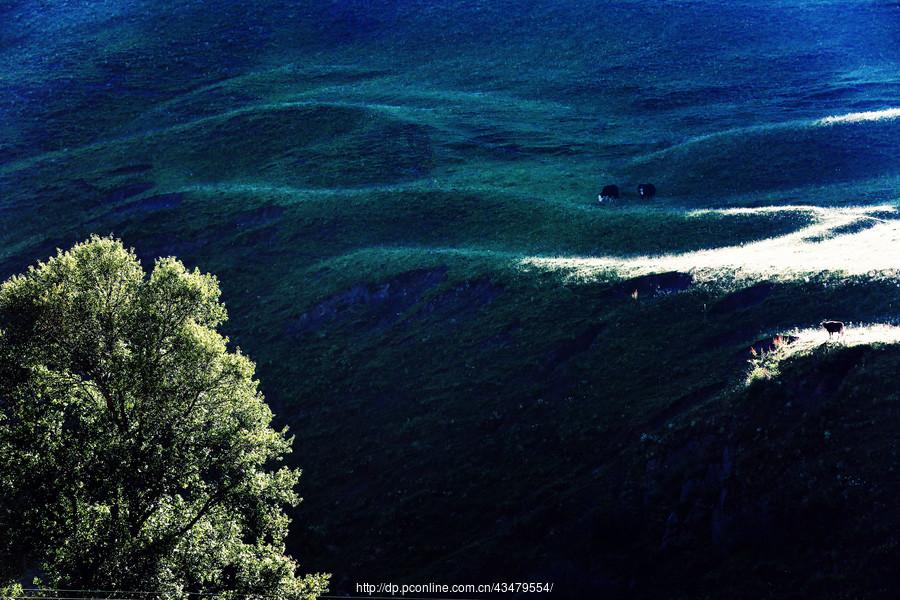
x=256 y=217
x=503 y=339
x=741 y=332
x=655 y=284
x=848 y=229
x=151 y=204
x=685 y=403
x=131 y=169
x=257 y=240
x=742 y=299
x=81 y=189
x=567 y=349
x=460 y=300
x=380 y=305
x=126 y=191
x=821 y=379
x=557 y=376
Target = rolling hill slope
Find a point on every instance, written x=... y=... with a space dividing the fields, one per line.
x=491 y=376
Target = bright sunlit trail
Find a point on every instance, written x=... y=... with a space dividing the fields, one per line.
x=859 y=117
x=818 y=247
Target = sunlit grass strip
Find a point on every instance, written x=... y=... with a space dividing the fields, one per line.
x=824 y=213
x=800 y=342
x=876 y=249
x=860 y=117
x=854 y=335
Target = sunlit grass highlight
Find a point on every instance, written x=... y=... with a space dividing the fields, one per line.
x=816 y=248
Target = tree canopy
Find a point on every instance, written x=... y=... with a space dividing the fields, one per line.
x=136 y=450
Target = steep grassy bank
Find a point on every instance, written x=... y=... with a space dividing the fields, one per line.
x=520 y=394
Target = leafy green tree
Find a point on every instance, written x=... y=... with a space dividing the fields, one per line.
x=136 y=451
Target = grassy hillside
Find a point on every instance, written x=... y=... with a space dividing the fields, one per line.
x=490 y=375
x=787 y=484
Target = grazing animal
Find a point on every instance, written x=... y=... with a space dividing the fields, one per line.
x=833 y=327
x=609 y=192
x=646 y=191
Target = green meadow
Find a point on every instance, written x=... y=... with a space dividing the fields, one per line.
x=489 y=374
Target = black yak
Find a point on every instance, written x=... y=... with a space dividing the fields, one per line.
x=833 y=327
x=609 y=192
x=646 y=191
